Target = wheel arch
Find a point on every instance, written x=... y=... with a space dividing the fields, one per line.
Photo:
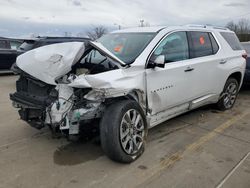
x=237 y=75
x=135 y=95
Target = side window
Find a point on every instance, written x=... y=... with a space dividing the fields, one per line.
x=174 y=47
x=215 y=46
x=200 y=44
x=3 y=44
x=232 y=40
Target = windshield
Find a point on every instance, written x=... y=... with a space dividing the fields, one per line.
x=246 y=47
x=27 y=45
x=126 y=46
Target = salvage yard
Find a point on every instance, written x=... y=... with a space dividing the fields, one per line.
x=202 y=148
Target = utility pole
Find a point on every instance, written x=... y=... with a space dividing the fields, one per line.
x=142 y=21
x=119 y=26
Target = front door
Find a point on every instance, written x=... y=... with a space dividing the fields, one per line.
x=169 y=86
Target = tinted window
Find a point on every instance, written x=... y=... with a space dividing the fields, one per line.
x=3 y=44
x=200 y=44
x=27 y=45
x=15 y=44
x=246 y=47
x=126 y=46
x=174 y=47
x=215 y=46
x=232 y=40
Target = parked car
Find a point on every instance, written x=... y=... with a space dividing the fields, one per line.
x=246 y=46
x=15 y=43
x=7 y=55
x=129 y=80
x=30 y=44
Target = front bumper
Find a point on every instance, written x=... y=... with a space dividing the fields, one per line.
x=32 y=97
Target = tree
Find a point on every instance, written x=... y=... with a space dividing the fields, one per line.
x=232 y=26
x=97 y=32
x=242 y=27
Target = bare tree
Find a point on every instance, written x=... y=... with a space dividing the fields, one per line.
x=97 y=32
x=232 y=26
x=242 y=27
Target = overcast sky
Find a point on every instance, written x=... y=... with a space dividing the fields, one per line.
x=54 y=17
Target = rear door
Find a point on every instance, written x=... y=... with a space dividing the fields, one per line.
x=205 y=63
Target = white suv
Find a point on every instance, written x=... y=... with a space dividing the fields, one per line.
x=129 y=81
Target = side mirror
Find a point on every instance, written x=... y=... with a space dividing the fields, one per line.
x=160 y=61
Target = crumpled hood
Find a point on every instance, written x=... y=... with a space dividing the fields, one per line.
x=50 y=62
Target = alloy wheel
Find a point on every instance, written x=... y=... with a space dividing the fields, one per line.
x=132 y=131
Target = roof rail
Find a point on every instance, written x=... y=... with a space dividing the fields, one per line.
x=219 y=27
x=207 y=26
x=196 y=25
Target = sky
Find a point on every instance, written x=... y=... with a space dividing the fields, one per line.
x=23 y=18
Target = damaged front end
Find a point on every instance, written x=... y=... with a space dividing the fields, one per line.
x=60 y=87
x=32 y=97
x=61 y=107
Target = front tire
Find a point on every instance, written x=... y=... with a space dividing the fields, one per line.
x=123 y=131
x=229 y=95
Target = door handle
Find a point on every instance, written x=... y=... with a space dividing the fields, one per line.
x=223 y=61
x=189 y=69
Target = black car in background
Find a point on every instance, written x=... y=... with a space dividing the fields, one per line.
x=246 y=46
x=7 y=55
x=15 y=43
x=11 y=48
x=43 y=41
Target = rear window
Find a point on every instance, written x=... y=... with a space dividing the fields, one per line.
x=246 y=47
x=232 y=40
x=201 y=44
x=27 y=45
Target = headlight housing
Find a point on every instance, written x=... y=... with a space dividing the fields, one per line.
x=95 y=94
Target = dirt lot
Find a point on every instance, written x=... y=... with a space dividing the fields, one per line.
x=203 y=148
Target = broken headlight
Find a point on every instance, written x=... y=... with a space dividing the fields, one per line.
x=94 y=95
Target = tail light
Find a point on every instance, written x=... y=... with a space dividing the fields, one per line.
x=244 y=55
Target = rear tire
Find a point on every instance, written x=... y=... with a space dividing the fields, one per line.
x=123 y=131
x=229 y=95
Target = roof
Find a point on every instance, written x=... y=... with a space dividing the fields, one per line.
x=140 y=30
x=159 y=28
